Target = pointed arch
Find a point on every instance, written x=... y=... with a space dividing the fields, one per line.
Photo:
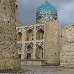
x=29 y=52
x=29 y=35
x=39 y=34
x=39 y=52
x=19 y=36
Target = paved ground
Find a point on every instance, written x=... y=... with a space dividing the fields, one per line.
x=46 y=70
x=42 y=70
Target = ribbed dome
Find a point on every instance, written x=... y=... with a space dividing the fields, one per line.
x=46 y=8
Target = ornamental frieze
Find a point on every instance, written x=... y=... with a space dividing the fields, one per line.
x=40 y=27
x=19 y=46
x=19 y=30
x=39 y=44
x=29 y=28
x=27 y=44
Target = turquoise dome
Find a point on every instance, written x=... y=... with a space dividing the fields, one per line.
x=46 y=8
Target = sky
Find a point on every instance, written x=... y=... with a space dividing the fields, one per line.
x=27 y=10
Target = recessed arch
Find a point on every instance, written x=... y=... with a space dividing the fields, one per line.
x=29 y=35
x=29 y=52
x=19 y=36
x=39 y=34
x=39 y=52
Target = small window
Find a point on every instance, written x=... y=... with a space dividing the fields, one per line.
x=28 y=55
x=16 y=6
x=20 y=56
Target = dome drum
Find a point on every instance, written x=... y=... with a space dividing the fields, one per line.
x=46 y=12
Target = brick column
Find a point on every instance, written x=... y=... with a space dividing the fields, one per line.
x=23 y=52
x=34 y=48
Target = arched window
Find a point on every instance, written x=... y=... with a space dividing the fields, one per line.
x=39 y=34
x=29 y=35
x=19 y=36
x=29 y=52
x=39 y=52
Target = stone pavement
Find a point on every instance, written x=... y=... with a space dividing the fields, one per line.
x=42 y=70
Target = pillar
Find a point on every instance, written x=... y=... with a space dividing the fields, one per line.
x=23 y=51
x=34 y=46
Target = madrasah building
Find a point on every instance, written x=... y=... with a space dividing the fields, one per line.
x=45 y=43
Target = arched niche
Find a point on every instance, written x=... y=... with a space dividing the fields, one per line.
x=39 y=52
x=29 y=52
x=29 y=35
x=19 y=48
x=19 y=36
x=39 y=34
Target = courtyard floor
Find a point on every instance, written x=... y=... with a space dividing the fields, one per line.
x=40 y=70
